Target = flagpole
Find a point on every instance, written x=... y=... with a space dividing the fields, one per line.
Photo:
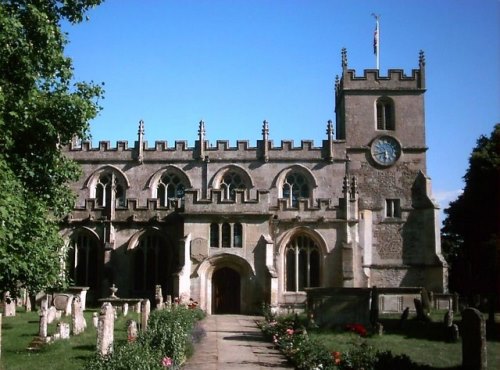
x=376 y=40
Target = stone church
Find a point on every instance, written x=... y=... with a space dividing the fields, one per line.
x=235 y=227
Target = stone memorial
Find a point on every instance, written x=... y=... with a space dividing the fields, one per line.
x=42 y=331
x=62 y=302
x=9 y=308
x=419 y=308
x=125 y=309
x=473 y=340
x=105 y=330
x=159 y=298
x=404 y=317
x=52 y=314
x=132 y=330
x=78 y=323
x=145 y=309
x=95 y=319
x=62 y=331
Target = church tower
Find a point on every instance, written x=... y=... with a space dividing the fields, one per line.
x=382 y=122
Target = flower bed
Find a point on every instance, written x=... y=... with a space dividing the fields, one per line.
x=165 y=345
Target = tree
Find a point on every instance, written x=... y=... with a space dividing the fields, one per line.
x=471 y=231
x=41 y=109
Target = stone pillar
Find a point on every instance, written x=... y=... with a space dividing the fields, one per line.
x=145 y=309
x=105 y=330
x=473 y=340
x=78 y=323
x=132 y=330
x=42 y=332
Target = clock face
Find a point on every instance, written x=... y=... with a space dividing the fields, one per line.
x=385 y=150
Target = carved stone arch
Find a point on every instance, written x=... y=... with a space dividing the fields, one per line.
x=303 y=230
x=134 y=239
x=217 y=178
x=153 y=180
x=280 y=178
x=91 y=180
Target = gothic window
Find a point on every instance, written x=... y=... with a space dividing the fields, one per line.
x=226 y=235
x=231 y=181
x=104 y=189
x=170 y=187
x=295 y=186
x=392 y=208
x=302 y=264
x=385 y=114
x=150 y=263
x=83 y=259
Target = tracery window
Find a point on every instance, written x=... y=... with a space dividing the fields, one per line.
x=302 y=264
x=231 y=181
x=226 y=235
x=385 y=114
x=170 y=186
x=83 y=259
x=295 y=186
x=105 y=185
x=150 y=262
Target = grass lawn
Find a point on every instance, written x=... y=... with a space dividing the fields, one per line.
x=422 y=342
x=19 y=331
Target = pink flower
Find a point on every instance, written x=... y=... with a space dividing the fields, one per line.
x=166 y=362
x=289 y=331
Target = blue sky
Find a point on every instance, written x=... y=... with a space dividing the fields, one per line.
x=234 y=63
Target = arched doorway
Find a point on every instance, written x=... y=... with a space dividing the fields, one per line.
x=226 y=287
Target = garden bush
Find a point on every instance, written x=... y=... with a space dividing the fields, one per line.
x=165 y=344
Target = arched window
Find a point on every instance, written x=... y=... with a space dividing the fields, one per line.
x=231 y=181
x=104 y=187
x=150 y=263
x=385 y=114
x=295 y=186
x=231 y=235
x=302 y=264
x=83 y=259
x=226 y=235
x=170 y=186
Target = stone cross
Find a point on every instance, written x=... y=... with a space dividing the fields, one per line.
x=473 y=340
x=145 y=309
x=105 y=330
x=78 y=323
x=132 y=330
x=42 y=332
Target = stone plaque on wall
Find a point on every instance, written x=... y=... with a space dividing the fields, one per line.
x=199 y=249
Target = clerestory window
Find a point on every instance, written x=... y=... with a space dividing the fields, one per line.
x=170 y=187
x=385 y=114
x=230 y=182
x=295 y=186
x=302 y=264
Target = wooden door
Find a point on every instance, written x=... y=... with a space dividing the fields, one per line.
x=226 y=291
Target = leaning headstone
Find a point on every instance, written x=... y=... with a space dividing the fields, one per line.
x=78 y=323
x=42 y=331
x=159 y=298
x=105 y=330
x=9 y=308
x=404 y=317
x=95 y=320
x=125 y=309
x=132 y=330
x=473 y=340
x=145 y=309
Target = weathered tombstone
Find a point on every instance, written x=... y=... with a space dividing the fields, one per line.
x=132 y=330
x=421 y=315
x=42 y=332
x=378 y=329
x=404 y=317
x=159 y=298
x=9 y=305
x=168 y=301
x=95 y=319
x=105 y=330
x=454 y=333
x=44 y=303
x=145 y=309
x=473 y=340
x=448 y=318
x=62 y=302
x=125 y=309
x=51 y=314
x=62 y=331
x=78 y=323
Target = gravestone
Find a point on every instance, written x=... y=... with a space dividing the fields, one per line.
x=95 y=319
x=450 y=329
x=125 y=309
x=404 y=317
x=473 y=340
x=145 y=309
x=419 y=308
x=159 y=298
x=78 y=323
x=52 y=314
x=168 y=301
x=105 y=330
x=448 y=318
x=9 y=305
x=62 y=331
x=132 y=330
x=454 y=333
x=42 y=331
x=44 y=302
x=62 y=302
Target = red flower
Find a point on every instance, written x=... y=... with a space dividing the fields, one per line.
x=336 y=357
